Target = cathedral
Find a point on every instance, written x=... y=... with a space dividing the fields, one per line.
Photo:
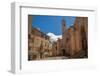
x=74 y=38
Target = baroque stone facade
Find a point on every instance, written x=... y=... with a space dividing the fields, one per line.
x=74 y=38
x=38 y=43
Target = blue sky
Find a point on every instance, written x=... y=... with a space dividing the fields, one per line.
x=51 y=24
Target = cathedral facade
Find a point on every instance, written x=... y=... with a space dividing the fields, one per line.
x=74 y=38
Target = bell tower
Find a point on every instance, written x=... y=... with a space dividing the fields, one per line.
x=64 y=32
x=63 y=26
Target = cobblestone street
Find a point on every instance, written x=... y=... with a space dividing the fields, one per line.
x=54 y=58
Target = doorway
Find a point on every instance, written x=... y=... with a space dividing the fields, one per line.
x=63 y=52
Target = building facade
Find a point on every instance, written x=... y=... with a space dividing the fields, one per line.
x=39 y=45
x=74 y=38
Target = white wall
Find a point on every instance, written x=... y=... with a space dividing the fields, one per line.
x=5 y=42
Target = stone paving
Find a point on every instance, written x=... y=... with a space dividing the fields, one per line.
x=55 y=58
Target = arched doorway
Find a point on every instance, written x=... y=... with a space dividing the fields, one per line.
x=63 y=52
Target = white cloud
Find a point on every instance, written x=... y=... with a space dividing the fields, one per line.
x=53 y=37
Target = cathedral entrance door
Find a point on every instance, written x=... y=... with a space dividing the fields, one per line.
x=63 y=52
